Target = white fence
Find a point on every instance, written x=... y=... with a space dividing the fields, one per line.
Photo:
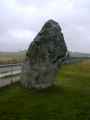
x=9 y=73
x=10 y=70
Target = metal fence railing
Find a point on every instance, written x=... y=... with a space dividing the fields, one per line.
x=9 y=74
x=10 y=70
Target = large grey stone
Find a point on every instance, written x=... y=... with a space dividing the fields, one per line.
x=44 y=57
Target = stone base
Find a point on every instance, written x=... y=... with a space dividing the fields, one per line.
x=37 y=86
x=38 y=77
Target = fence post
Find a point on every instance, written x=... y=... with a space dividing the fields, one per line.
x=11 y=74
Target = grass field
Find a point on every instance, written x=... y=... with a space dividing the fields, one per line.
x=12 y=57
x=68 y=100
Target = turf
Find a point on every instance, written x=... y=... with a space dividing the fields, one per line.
x=68 y=100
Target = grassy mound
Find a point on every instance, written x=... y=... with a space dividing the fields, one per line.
x=68 y=100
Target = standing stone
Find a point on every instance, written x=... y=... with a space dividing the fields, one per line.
x=44 y=57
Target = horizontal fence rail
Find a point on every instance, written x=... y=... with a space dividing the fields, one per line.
x=10 y=70
x=10 y=73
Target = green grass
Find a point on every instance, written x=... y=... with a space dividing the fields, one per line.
x=68 y=100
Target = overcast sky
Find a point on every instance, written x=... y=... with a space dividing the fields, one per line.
x=21 y=20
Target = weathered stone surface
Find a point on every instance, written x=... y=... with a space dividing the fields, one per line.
x=44 y=57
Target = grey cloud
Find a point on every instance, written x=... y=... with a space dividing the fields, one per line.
x=81 y=4
x=74 y=19
x=36 y=3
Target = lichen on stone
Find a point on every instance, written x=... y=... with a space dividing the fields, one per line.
x=44 y=57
